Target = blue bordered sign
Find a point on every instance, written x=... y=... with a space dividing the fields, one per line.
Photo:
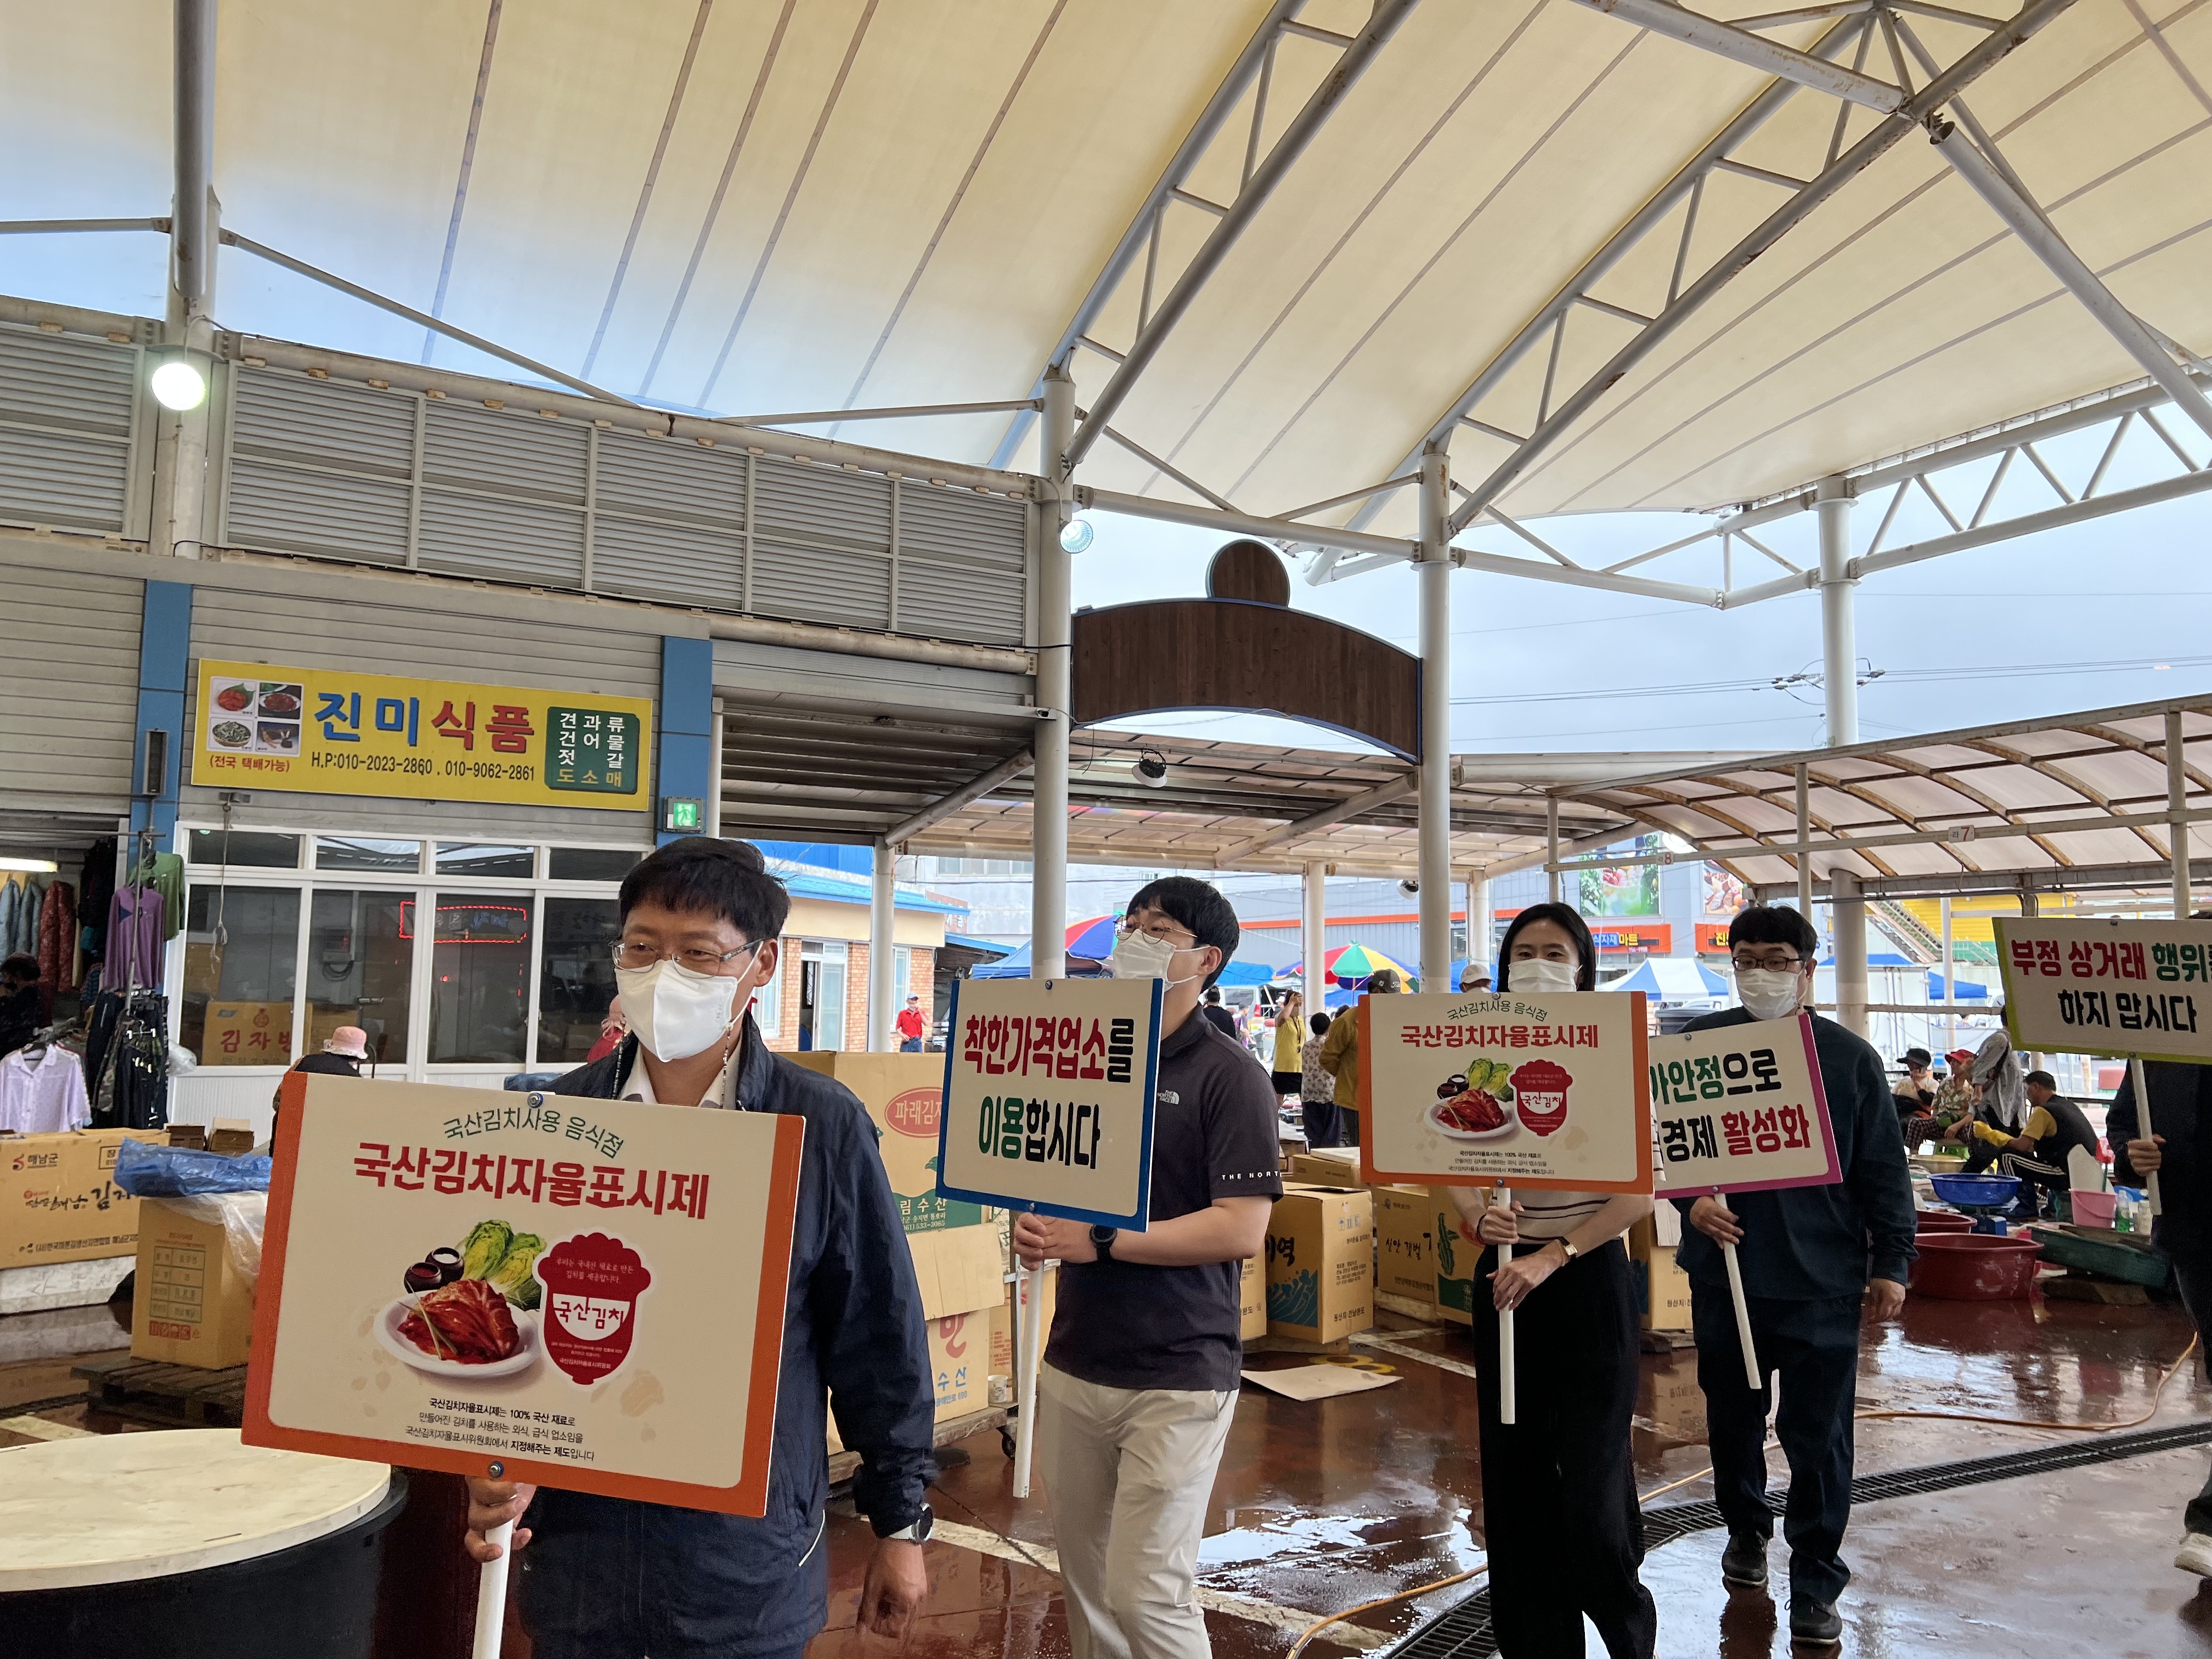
x=1049 y=1095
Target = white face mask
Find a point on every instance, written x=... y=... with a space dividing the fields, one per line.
x=1768 y=992
x=675 y=1013
x=1139 y=955
x=1534 y=973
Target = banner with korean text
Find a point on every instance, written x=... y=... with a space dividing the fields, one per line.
x=334 y=733
x=2139 y=989
x=1740 y=1109
x=1048 y=1098
x=583 y=1293
x=1546 y=1090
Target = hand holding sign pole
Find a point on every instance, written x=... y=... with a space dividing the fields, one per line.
x=1048 y=1102
x=1740 y=1109
x=1508 y=1394
x=2142 y=1121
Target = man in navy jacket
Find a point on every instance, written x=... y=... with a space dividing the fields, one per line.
x=1812 y=1257
x=611 y=1578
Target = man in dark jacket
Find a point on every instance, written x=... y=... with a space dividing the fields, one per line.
x=614 y=1579
x=2178 y=1153
x=1813 y=1258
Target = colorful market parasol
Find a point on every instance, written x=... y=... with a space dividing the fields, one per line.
x=1093 y=939
x=1348 y=965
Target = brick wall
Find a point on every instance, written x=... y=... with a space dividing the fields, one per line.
x=921 y=968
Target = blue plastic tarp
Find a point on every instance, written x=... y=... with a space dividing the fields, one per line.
x=145 y=1170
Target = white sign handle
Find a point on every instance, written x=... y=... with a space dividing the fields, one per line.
x=1507 y=1398
x=2142 y=1118
x=1742 y=1315
x=491 y=1594
x=1029 y=1298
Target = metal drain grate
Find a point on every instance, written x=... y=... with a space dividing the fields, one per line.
x=1462 y=1630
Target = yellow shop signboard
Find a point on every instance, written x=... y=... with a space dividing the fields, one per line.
x=330 y=733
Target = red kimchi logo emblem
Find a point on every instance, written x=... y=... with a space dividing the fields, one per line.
x=592 y=1286
x=914 y=1113
x=1540 y=1092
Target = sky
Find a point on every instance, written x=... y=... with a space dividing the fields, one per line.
x=2073 y=619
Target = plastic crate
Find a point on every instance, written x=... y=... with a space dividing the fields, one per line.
x=2114 y=1255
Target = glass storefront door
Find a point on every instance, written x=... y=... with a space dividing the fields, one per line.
x=242 y=948
x=480 y=953
x=360 y=965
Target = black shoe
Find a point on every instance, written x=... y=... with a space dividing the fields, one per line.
x=1744 y=1561
x=1815 y=1623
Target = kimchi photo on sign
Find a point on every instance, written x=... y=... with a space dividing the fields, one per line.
x=588 y=1292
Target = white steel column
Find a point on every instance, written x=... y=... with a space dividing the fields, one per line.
x=883 y=948
x=193 y=230
x=1804 y=846
x=714 y=773
x=1552 y=847
x=1048 y=800
x=1847 y=922
x=2177 y=806
x=1313 y=938
x=1436 y=723
x=1840 y=649
x=1950 y=990
x=1480 y=924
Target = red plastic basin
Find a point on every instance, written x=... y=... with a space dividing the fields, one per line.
x=1974 y=1266
x=1943 y=1221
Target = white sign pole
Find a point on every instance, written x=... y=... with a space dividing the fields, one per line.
x=2143 y=1118
x=491 y=1594
x=1507 y=1397
x=1028 y=1295
x=1742 y=1315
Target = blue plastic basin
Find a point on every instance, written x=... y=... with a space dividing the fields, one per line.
x=1974 y=1191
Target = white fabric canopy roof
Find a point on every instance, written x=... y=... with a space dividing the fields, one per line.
x=755 y=206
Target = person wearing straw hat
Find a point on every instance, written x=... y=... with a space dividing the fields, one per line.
x=1559 y=1483
x=1815 y=1260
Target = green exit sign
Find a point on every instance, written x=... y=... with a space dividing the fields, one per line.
x=681 y=815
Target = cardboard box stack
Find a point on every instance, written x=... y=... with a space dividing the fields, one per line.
x=58 y=1200
x=1320 y=1257
x=1405 y=1254
x=1456 y=1254
x=1252 y=1307
x=1327 y=1166
x=191 y=1306
x=959 y=1257
x=1663 y=1289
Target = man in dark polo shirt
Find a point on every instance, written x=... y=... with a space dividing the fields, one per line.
x=1141 y=1375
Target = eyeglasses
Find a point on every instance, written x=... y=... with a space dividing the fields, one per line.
x=1788 y=964
x=632 y=954
x=1162 y=930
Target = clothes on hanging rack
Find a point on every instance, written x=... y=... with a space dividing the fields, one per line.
x=95 y=890
x=165 y=873
x=136 y=918
x=20 y=900
x=104 y=1015
x=142 y=1064
x=56 y=950
x=42 y=1091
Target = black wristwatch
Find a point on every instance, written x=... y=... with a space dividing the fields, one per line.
x=917 y=1530
x=1102 y=1240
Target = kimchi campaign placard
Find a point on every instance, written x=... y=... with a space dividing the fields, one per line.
x=586 y=1294
x=1740 y=1108
x=1523 y=1089
x=2142 y=988
x=1048 y=1098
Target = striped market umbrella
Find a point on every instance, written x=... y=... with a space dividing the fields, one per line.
x=1094 y=938
x=1348 y=965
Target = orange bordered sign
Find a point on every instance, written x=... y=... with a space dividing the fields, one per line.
x=1535 y=1089
x=587 y=1293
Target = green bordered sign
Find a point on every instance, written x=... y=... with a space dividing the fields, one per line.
x=2137 y=989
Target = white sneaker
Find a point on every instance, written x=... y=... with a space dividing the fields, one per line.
x=2195 y=1555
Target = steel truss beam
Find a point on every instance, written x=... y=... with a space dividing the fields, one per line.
x=1261 y=175
x=1558 y=416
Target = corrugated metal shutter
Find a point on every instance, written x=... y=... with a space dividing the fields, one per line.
x=508 y=494
x=963 y=566
x=66 y=423
x=69 y=687
x=320 y=468
x=456 y=641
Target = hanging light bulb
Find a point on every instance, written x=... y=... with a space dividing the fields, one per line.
x=1076 y=534
x=178 y=384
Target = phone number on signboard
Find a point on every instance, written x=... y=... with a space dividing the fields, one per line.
x=348 y=761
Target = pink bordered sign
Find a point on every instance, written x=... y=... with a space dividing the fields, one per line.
x=1740 y=1108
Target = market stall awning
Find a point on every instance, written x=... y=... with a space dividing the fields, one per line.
x=2073 y=801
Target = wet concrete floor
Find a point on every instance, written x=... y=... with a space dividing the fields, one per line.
x=1319 y=1507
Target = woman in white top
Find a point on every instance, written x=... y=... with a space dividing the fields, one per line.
x=1559 y=1487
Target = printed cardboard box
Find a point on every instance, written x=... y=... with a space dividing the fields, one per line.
x=1663 y=1289
x=1455 y=1252
x=1321 y=1273
x=58 y=1199
x=959 y=1359
x=1252 y=1307
x=191 y=1307
x=1327 y=1166
x=903 y=1094
x=1405 y=1259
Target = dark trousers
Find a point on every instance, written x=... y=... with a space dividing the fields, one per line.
x=1349 y=1117
x=2192 y=1273
x=1323 y=1123
x=1559 y=1488
x=1814 y=1348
